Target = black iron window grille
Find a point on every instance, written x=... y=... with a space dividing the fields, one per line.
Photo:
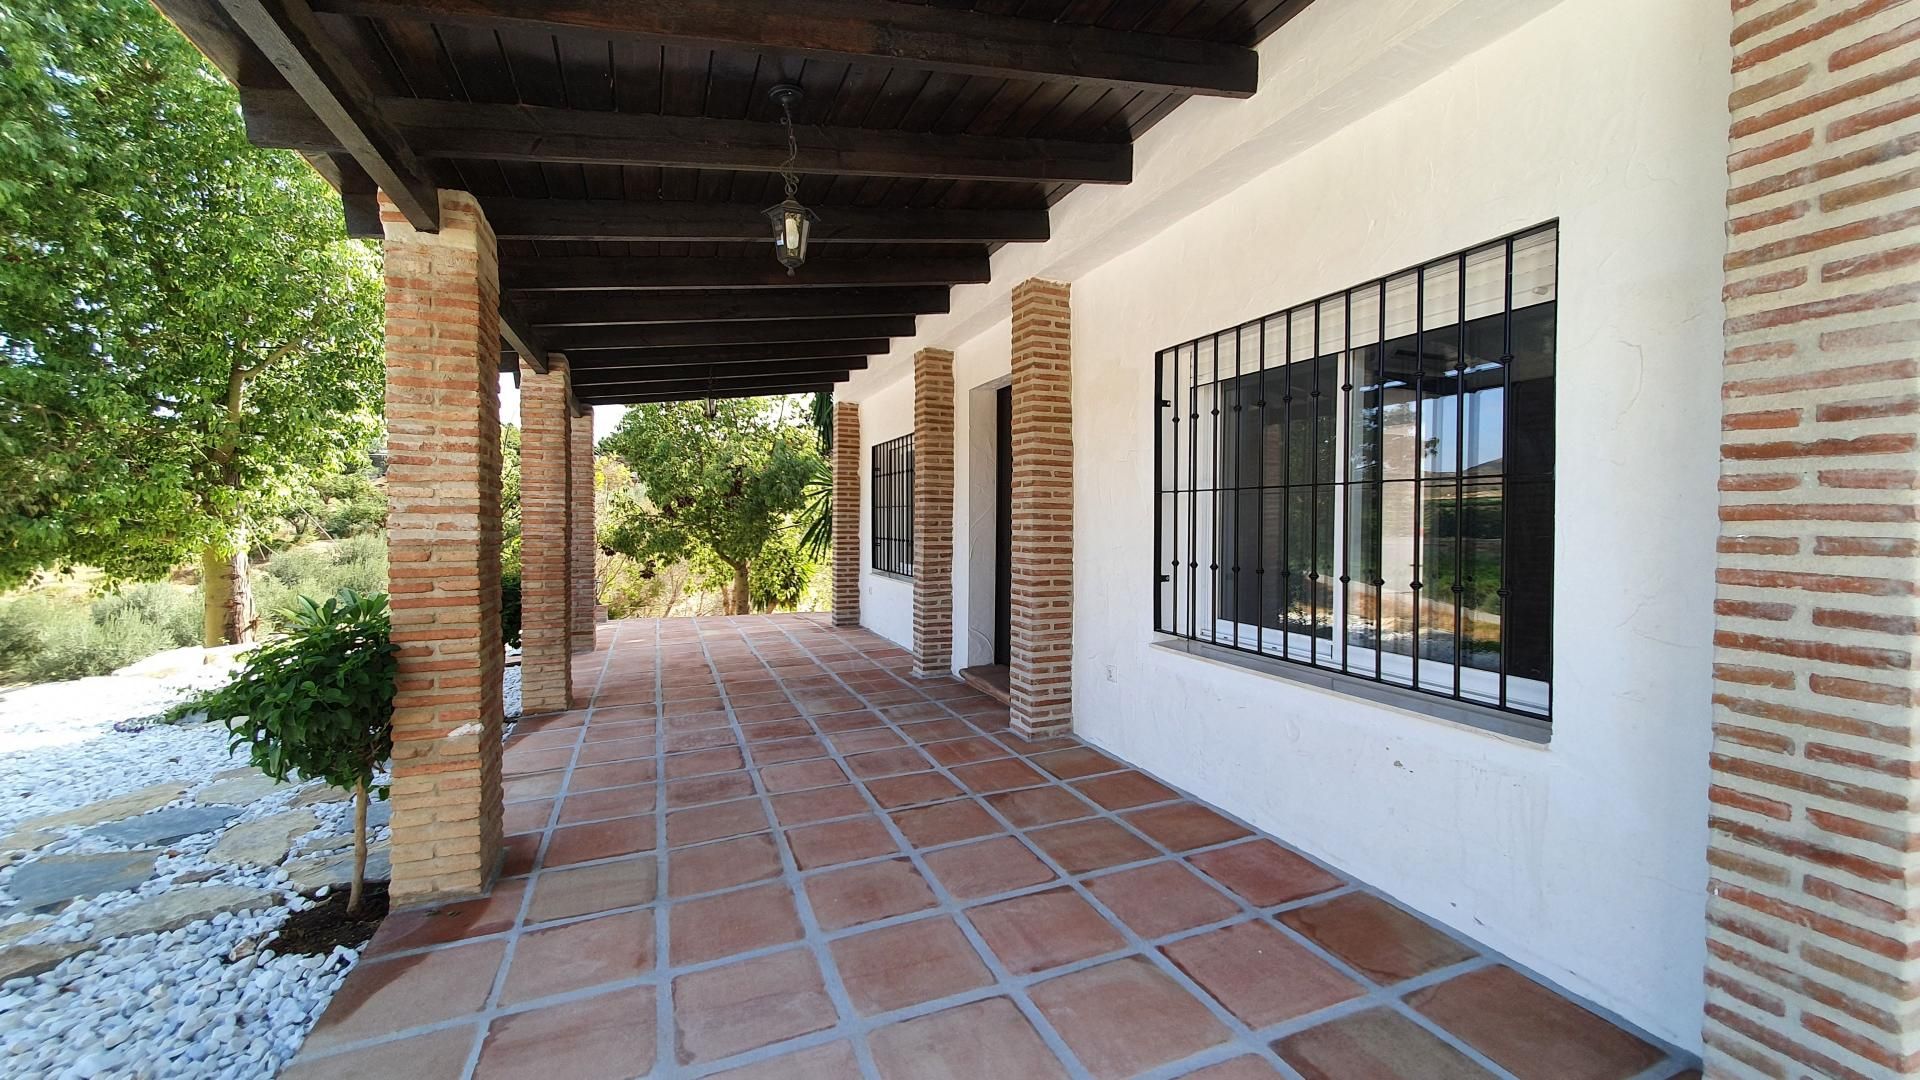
x=1363 y=484
x=893 y=506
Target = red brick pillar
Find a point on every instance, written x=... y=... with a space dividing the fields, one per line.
x=546 y=580
x=1041 y=674
x=932 y=513
x=585 y=608
x=846 y=513
x=1814 y=906
x=443 y=529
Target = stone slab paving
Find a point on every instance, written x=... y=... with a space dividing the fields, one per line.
x=52 y=882
x=767 y=851
x=166 y=826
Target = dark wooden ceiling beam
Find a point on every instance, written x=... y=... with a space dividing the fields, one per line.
x=520 y=336
x=605 y=219
x=870 y=31
x=591 y=377
x=562 y=273
x=616 y=396
x=603 y=359
x=682 y=358
x=569 y=339
x=335 y=95
x=594 y=309
x=531 y=133
x=698 y=388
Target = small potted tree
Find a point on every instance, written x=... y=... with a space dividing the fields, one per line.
x=318 y=704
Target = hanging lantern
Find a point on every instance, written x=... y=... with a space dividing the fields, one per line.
x=792 y=223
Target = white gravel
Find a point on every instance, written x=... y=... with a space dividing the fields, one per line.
x=205 y=1000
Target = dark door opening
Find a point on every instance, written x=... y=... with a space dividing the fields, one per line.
x=1003 y=526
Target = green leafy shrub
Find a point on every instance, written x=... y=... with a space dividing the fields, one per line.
x=358 y=563
x=47 y=638
x=318 y=703
x=510 y=605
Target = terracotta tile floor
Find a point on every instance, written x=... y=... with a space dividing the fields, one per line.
x=767 y=851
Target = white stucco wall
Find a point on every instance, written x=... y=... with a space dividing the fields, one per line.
x=886 y=600
x=1583 y=859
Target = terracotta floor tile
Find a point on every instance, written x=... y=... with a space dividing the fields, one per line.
x=864 y=894
x=519 y=854
x=572 y=956
x=1161 y=898
x=716 y=822
x=897 y=966
x=989 y=867
x=944 y=823
x=617 y=750
x=815 y=846
x=1184 y=826
x=722 y=865
x=1003 y=774
x=818 y=804
x=604 y=728
x=1529 y=1030
x=614 y=774
x=1260 y=974
x=519 y=761
x=735 y=922
x=1039 y=806
x=847 y=721
x=913 y=789
x=678 y=742
x=772 y=753
x=702 y=762
x=1377 y=1043
x=538 y=786
x=965 y=751
x=790 y=728
x=600 y=840
x=621 y=714
x=938 y=730
x=769 y=712
x=729 y=1010
x=1385 y=943
x=563 y=894
x=678 y=720
x=386 y=996
x=800 y=775
x=607 y=1037
x=542 y=740
x=866 y=739
x=1090 y=845
x=888 y=762
x=438 y=1055
x=1075 y=762
x=1044 y=930
x=416 y=928
x=1240 y=1068
x=917 y=710
x=1264 y=873
x=1125 y=1017
x=1122 y=790
x=834 y=1061
x=984 y=1039
x=523 y=817
x=716 y=787
x=607 y=803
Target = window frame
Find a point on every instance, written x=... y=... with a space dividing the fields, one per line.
x=891 y=474
x=1495 y=699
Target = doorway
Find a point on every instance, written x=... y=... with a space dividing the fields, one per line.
x=992 y=677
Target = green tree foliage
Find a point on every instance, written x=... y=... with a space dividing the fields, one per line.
x=318 y=703
x=186 y=336
x=721 y=486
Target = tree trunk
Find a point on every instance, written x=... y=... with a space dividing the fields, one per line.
x=738 y=600
x=226 y=613
x=359 y=847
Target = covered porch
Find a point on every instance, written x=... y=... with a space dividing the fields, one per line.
x=764 y=848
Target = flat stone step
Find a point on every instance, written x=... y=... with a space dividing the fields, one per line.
x=166 y=826
x=53 y=882
x=989 y=679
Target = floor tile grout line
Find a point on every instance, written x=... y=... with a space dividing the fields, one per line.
x=665 y=1030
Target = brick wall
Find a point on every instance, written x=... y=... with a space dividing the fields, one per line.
x=846 y=513
x=932 y=513
x=584 y=610
x=546 y=579
x=1040 y=678
x=1813 y=940
x=443 y=530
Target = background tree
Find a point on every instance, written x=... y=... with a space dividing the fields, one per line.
x=186 y=337
x=721 y=486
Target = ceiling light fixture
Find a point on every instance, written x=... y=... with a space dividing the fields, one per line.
x=792 y=223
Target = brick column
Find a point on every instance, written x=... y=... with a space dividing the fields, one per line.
x=585 y=609
x=1041 y=674
x=443 y=529
x=846 y=513
x=546 y=588
x=1813 y=911
x=932 y=513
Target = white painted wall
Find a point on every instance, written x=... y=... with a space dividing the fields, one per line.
x=886 y=600
x=1583 y=859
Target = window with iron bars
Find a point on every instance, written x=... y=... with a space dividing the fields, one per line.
x=893 y=506
x=1363 y=484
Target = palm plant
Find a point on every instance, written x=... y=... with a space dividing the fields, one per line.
x=816 y=513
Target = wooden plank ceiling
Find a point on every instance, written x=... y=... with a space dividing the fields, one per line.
x=624 y=152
